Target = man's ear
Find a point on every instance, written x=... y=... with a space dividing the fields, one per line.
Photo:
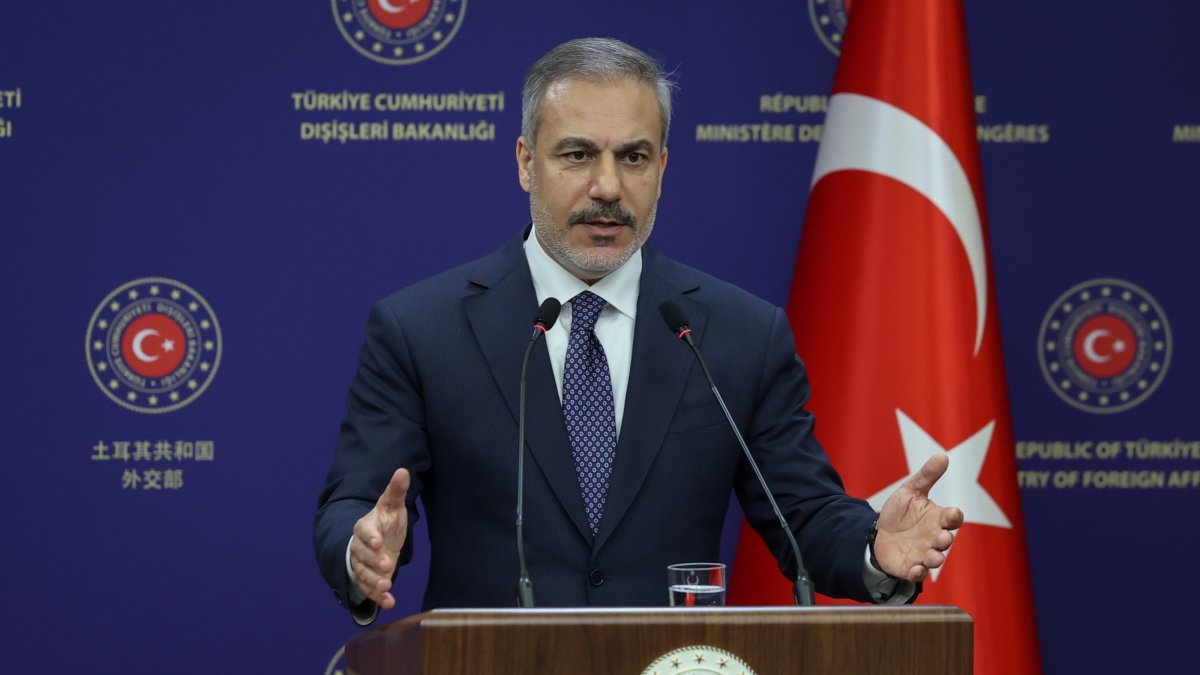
x=662 y=169
x=524 y=158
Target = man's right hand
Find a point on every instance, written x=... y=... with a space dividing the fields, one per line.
x=378 y=538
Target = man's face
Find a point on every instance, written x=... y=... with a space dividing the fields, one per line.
x=594 y=174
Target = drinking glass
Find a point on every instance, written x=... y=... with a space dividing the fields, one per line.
x=696 y=584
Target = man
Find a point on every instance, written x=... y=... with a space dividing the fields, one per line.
x=631 y=459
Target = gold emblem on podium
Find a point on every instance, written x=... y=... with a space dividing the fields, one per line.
x=698 y=660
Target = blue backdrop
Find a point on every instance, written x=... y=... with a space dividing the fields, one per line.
x=270 y=172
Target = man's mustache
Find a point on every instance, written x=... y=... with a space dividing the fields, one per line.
x=604 y=211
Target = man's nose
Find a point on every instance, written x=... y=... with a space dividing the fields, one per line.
x=606 y=180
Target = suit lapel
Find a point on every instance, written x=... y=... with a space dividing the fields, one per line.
x=658 y=372
x=500 y=313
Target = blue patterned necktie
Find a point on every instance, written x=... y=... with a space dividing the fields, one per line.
x=588 y=406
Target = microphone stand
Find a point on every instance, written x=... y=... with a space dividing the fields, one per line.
x=802 y=589
x=546 y=316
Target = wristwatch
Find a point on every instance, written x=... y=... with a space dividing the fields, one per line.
x=874 y=530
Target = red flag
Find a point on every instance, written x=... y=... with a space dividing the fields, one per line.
x=895 y=315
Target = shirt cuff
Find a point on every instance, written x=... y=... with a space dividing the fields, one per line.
x=353 y=593
x=884 y=589
x=362 y=610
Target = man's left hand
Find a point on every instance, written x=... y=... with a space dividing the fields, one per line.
x=914 y=533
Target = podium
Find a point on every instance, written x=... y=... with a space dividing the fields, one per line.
x=887 y=640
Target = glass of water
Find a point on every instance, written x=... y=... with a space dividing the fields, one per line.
x=696 y=584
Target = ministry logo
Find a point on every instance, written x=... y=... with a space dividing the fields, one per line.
x=398 y=32
x=829 y=19
x=1104 y=346
x=153 y=345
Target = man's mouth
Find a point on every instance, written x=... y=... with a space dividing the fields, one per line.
x=604 y=224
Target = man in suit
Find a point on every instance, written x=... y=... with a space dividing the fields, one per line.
x=631 y=460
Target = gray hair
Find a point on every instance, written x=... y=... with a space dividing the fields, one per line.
x=592 y=59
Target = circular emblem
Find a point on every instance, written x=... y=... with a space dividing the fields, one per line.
x=698 y=659
x=829 y=18
x=1104 y=346
x=398 y=32
x=337 y=665
x=153 y=345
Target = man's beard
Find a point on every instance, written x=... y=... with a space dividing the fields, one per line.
x=594 y=262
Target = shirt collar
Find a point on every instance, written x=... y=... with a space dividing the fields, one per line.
x=619 y=288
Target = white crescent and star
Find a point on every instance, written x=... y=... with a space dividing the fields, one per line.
x=139 y=349
x=865 y=134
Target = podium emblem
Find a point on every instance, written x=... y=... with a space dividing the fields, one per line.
x=698 y=660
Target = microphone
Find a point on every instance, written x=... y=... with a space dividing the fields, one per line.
x=543 y=321
x=802 y=590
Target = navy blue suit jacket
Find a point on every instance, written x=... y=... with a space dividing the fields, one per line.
x=437 y=392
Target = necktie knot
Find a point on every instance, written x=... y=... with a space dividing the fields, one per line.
x=585 y=309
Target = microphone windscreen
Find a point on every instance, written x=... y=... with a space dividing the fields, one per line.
x=547 y=314
x=673 y=315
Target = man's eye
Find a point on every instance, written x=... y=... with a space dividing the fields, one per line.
x=635 y=158
x=577 y=156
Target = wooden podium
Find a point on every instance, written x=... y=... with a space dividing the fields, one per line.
x=886 y=640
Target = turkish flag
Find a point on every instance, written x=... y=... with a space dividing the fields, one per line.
x=894 y=311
